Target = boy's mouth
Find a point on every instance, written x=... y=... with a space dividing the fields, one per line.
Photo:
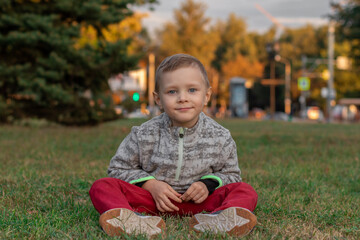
x=183 y=108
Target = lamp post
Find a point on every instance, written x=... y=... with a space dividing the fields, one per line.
x=285 y=61
x=330 y=97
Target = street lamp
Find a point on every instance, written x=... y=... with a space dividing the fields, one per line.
x=278 y=58
x=331 y=39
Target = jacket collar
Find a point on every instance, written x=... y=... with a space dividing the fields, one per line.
x=174 y=130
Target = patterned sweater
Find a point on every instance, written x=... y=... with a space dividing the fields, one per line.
x=178 y=156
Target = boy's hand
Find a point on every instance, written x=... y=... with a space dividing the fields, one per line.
x=197 y=192
x=162 y=193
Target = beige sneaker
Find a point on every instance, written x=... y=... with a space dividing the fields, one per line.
x=117 y=221
x=234 y=221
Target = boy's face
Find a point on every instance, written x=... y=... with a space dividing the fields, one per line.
x=183 y=94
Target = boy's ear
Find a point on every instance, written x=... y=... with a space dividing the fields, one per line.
x=157 y=99
x=208 y=95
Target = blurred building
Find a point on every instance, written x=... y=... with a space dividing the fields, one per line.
x=124 y=85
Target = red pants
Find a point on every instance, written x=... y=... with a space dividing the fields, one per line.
x=109 y=193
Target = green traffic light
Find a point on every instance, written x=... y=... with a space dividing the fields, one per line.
x=136 y=97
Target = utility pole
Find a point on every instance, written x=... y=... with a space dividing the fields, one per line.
x=287 y=87
x=272 y=89
x=287 y=102
x=330 y=95
x=151 y=82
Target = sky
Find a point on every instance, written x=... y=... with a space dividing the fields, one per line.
x=289 y=13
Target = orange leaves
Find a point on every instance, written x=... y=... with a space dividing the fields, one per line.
x=241 y=66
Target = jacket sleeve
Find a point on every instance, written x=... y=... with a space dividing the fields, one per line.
x=125 y=165
x=228 y=170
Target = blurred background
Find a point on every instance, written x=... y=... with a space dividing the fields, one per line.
x=89 y=61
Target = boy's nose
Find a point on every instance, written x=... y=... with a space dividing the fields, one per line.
x=182 y=96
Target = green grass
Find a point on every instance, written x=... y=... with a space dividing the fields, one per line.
x=306 y=175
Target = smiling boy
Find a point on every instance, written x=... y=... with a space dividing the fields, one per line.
x=180 y=163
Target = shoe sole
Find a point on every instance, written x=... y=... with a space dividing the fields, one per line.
x=233 y=221
x=118 y=221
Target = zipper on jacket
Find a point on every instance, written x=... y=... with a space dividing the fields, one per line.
x=180 y=153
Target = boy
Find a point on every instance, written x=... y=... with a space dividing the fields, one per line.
x=180 y=163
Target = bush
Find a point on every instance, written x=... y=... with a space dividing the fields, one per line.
x=130 y=105
x=81 y=113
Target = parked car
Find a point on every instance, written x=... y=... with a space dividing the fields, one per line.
x=257 y=113
x=278 y=116
x=346 y=113
x=313 y=113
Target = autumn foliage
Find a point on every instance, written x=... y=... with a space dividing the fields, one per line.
x=242 y=66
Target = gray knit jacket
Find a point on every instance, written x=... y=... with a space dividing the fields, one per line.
x=178 y=156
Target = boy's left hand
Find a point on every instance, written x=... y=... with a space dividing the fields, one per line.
x=197 y=192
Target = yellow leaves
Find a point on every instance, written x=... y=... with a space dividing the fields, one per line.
x=88 y=36
x=125 y=29
x=128 y=28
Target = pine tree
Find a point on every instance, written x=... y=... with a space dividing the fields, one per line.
x=44 y=73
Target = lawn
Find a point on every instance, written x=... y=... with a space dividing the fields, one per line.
x=306 y=175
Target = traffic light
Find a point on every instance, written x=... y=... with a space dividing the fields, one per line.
x=136 y=96
x=272 y=50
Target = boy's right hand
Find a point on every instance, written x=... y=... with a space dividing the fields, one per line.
x=162 y=193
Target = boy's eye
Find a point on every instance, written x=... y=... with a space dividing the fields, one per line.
x=171 y=91
x=192 y=90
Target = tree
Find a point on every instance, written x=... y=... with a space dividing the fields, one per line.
x=347 y=81
x=234 y=41
x=300 y=41
x=306 y=41
x=348 y=17
x=244 y=67
x=45 y=73
x=236 y=54
x=313 y=43
x=189 y=34
x=260 y=41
